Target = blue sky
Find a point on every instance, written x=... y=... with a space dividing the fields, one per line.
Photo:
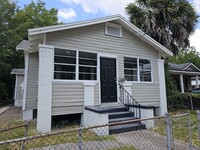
x=76 y=10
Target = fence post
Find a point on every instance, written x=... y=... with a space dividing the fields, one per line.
x=168 y=131
x=189 y=129
x=80 y=138
x=198 y=121
x=25 y=135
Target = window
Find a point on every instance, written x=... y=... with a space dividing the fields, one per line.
x=136 y=69
x=113 y=29
x=145 y=70
x=65 y=65
x=130 y=68
x=87 y=66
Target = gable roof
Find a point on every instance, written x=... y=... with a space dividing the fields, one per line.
x=23 y=45
x=183 y=68
x=121 y=20
x=17 y=71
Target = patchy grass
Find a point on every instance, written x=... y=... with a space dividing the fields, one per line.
x=61 y=138
x=180 y=126
x=124 y=148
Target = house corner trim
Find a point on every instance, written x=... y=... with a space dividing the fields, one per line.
x=45 y=78
x=162 y=87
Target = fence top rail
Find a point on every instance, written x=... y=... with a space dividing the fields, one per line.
x=81 y=128
x=74 y=130
x=15 y=127
x=180 y=115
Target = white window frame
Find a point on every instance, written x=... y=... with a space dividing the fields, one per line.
x=107 y=24
x=138 y=70
x=77 y=67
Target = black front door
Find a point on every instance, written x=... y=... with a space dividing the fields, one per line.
x=107 y=79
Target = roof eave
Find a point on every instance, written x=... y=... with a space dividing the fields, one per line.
x=184 y=72
x=192 y=65
x=140 y=34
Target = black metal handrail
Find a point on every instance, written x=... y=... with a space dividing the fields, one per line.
x=129 y=102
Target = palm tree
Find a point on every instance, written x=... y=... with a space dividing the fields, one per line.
x=170 y=22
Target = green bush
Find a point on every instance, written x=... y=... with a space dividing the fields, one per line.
x=3 y=93
x=177 y=100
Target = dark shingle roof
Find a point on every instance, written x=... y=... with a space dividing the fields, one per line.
x=180 y=67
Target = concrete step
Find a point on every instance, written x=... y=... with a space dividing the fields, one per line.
x=126 y=127
x=121 y=119
x=120 y=114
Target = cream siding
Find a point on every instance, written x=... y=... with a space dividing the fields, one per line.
x=67 y=97
x=32 y=81
x=146 y=94
x=20 y=80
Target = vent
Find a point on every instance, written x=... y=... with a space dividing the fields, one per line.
x=113 y=29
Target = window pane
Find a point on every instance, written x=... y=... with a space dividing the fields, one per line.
x=131 y=72
x=113 y=30
x=65 y=60
x=87 y=55
x=130 y=69
x=88 y=62
x=60 y=75
x=85 y=76
x=131 y=78
x=145 y=75
x=64 y=52
x=130 y=62
x=87 y=66
x=65 y=68
x=145 y=64
x=88 y=69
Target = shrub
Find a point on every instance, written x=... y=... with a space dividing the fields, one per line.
x=177 y=100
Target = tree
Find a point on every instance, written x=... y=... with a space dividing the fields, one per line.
x=191 y=55
x=14 y=25
x=170 y=22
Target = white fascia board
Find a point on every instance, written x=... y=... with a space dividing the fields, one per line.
x=184 y=72
x=71 y=25
x=191 y=64
x=147 y=38
x=122 y=20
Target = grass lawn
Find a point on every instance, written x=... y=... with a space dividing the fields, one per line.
x=180 y=126
x=62 y=138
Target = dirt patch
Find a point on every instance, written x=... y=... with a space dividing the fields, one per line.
x=12 y=116
x=12 y=113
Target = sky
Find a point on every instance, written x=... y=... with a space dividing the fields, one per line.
x=78 y=10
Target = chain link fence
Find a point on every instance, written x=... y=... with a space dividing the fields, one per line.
x=157 y=133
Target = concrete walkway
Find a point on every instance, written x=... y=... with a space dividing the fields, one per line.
x=3 y=109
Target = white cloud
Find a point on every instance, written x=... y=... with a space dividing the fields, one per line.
x=196 y=4
x=195 y=39
x=108 y=7
x=66 y=13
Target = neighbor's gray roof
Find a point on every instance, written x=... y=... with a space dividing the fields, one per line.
x=17 y=71
x=23 y=45
x=179 y=67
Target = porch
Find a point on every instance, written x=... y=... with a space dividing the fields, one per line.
x=183 y=74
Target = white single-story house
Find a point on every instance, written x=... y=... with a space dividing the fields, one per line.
x=185 y=76
x=92 y=67
x=18 y=93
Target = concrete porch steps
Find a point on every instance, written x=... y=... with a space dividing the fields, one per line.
x=118 y=113
x=123 y=115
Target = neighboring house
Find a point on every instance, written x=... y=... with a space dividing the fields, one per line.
x=194 y=82
x=75 y=68
x=19 y=79
x=185 y=76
